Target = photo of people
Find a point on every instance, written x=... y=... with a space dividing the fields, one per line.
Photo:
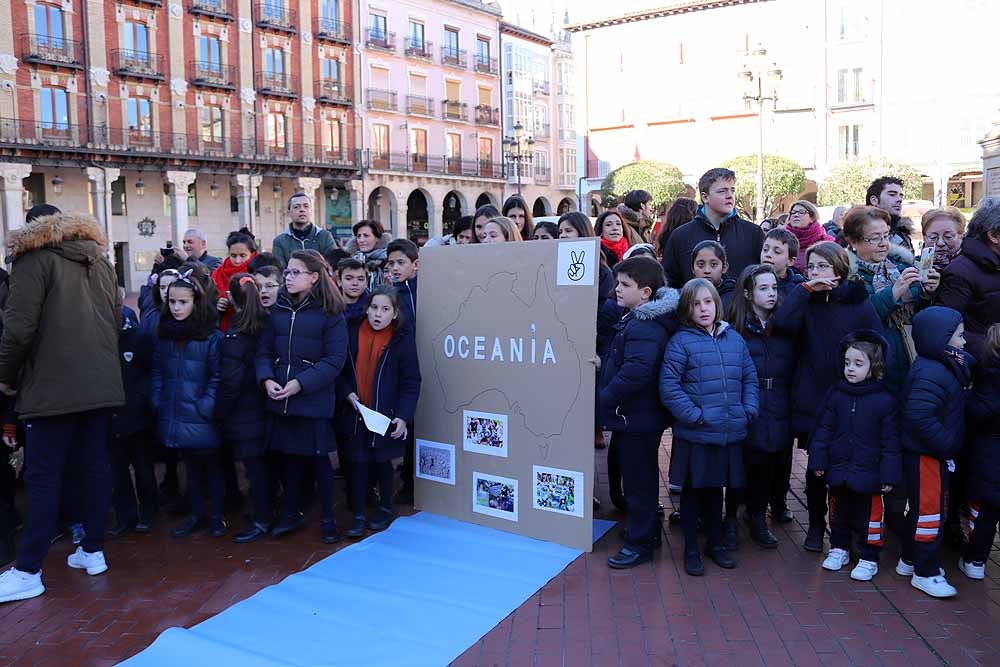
x=484 y=433
x=436 y=461
x=559 y=491
x=494 y=496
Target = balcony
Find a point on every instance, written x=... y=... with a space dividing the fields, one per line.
x=212 y=75
x=487 y=115
x=451 y=110
x=139 y=64
x=43 y=135
x=567 y=135
x=567 y=181
x=277 y=84
x=430 y=164
x=382 y=100
x=381 y=41
x=453 y=57
x=486 y=65
x=46 y=50
x=419 y=49
x=540 y=88
x=274 y=15
x=329 y=91
x=417 y=105
x=542 y=132
x=216 y=9
x=152 y=3
x=331 y=30
x=540 y=173
x=418 y=162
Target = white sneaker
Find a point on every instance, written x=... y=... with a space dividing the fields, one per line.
x=864 y=570
x=836 y=559
x=904 y=569
x=972 y=569
x=93 y=563
x=937 y=587
x=17 y=585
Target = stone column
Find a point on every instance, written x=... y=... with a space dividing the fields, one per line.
x=179 y=182
x=246 y=193
x=399 y=224
x=309 y=185
x=357 y=200
x=991 y=161
x=13 y=194
x=100 y=179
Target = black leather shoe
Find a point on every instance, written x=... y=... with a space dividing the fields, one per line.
x=674 y=518
x=693 y=564
x=253 y=532
x=721 y=557
x=145 y=526
x=814 y=539
x=730 y=534
x=288 y=524
x=782 y=515
x=219 y=526
x=761 y=534
x=382 y=519
x=191 y=525
x=122 y=529
x=627 y=558
x=330 y=533
x=358 y=528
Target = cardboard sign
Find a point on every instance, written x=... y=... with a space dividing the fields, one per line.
x=506 y=335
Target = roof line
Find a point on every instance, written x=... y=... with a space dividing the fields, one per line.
x=524 y=33
x=659 y=12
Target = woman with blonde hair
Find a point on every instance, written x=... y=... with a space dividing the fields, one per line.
x=500 y=230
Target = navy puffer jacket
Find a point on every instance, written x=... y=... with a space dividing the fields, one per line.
x=709 y=384
x=857 y=440
x=628 y=386
x=983 y=412
x=819 y=321
x=934 y=397
x=185 y=379
x=301 y=342
x=239 y=405
x=773 y=355
x=136 y=358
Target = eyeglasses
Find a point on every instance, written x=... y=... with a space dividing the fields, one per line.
x=796 y=212
x=822 y=266
x=947 y=237
x=875 y=240
x=295 y=273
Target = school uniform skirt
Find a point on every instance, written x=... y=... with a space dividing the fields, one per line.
x=707 y=466
x=301 y=436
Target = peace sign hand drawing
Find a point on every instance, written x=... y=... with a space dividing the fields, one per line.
x=577 y=269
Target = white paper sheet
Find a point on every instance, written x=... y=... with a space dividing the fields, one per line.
x=376 y=422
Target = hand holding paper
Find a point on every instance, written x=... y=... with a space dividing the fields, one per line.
x=376 y=422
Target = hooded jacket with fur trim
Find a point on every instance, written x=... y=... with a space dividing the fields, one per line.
x=60 y=341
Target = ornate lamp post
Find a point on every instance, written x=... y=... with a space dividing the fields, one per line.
x=517 y=150
x=760 y=80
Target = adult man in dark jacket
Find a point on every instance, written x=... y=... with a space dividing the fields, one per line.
x=196 y=246
x=886 y=193
x=59 y=353
x=302 y=234
x=716 y=221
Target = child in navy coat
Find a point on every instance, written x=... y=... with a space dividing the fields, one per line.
x=933 y=431
x=628 y=400
x=856 y=449
x=383 y=374
x=709 y=383
x=984 y=458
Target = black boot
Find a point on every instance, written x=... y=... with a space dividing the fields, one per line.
x=358 y=527
x=721 y=557
x=730 y=534
x=761 y=534
x=814 y=538
x=219 y=526
x=253 y=532
x=190 y=526
x=330 y=533
x=693 y=564
x=288 y=524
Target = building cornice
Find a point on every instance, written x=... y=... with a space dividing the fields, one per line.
x=491 y=8
x=659 y=12
x=522 y=33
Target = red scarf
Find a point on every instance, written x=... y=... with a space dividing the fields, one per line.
x=221 y=277
x=371 y=345
x=618 y=248
x=808 y=237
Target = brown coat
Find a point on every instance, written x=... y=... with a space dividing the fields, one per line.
x=60 y=340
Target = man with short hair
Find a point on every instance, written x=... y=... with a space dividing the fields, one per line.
x=886 y=192
x=195 y=247
x=59 y=356
x=303 y=235
x=716 y=221
x=835 y=227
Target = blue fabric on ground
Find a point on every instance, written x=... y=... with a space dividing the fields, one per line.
x=420 y=593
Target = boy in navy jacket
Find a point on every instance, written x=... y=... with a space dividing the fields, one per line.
x=402 y=264
x=629 y=401
x=933 y=430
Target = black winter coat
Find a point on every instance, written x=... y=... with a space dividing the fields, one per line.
x=971 y=285
x=857 y=440
x=819 y=321
x=629 y=398
x=185 y=380
x=791 y=279
x=239 y=404
x=301 y=342
x=742 y=240
x=136 y=361
x=983 y=413
x=773 y=355
x=407 y=291
x=397 y=388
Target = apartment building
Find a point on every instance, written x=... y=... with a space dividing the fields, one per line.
x=162 y=116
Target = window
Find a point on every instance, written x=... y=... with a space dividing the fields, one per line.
x=380 y=140
x=274 y=130
x=453 y=91
x=485 y=149
x=418 y=85
x=55 y=108
x=136 y=40
x=274 y=10
x=453 y=146
x=850 y=86
x=140 y=118
x=416 y=35
x=192 y=200
x=119 y=202
x=211 y=124
x=49 y=25
x=329 y=70
x=330 y=10
x=852 y=24
x=485 y=97
x=859 y=94
x=274 y=62
x=451 y=42
x=210 y=53
x=849 y=141
x=483 y=51
x=331 y=135
x=418 y=148
x=378 y=27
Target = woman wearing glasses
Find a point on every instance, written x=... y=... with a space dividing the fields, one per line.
x=803 y=222
x=819 y=313
x=943 y=229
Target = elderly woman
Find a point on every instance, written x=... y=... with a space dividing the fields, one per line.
x=892 y=282
x=971 y=283
x=942 y=229
x=803 y=223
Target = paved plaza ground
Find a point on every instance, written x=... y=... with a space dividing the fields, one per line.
x=777 y=608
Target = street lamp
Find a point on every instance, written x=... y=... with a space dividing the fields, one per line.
x=760 y=84
x=517 y=150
